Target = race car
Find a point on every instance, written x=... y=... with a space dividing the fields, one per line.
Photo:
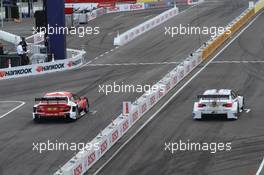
x=64 y=105
x=223 y=102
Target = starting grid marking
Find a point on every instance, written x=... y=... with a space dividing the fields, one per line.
x=236 y=62
x=12 y=110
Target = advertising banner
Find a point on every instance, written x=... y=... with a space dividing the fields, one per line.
x=37 y=69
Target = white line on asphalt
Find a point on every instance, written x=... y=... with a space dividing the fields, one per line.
x=147 y=16
x=247 y=110
x=17 y=107
x=236 y=62
x=119 y=46
x=260 y=167
x=134 y=64
x=175 y=94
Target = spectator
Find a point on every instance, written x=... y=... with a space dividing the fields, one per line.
x=21 y=53
x=24 y=44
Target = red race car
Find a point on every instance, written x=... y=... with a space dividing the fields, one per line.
x=65 y=105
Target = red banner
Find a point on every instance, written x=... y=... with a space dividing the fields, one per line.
x=105 y=5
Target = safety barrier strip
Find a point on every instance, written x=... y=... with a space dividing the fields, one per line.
x=234 y=26
x=85 y=159
x=259 y=6
x=145 y=27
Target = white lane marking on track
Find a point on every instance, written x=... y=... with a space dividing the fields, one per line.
x=247 y=110
x=260 y=167
x=175 y=94
x=17 y=107
x=236 y=62
x=134 y=64
x=119 y=46
x=147 y=16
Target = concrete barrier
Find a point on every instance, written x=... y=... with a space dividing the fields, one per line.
x=42 y=68
x=9 y=37
x=144 y=27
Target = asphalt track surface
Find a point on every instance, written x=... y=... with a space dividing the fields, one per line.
x=109 y=25
x=146 y=154
x=18 y=131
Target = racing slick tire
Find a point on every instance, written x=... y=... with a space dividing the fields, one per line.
x=36 y=120
x=237 y=113
x=87 y=108
x=243 y=105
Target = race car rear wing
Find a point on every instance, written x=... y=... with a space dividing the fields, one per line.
x=51 y=99
x=213 y=96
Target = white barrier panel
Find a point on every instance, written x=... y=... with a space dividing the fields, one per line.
x=144 y=27
x=36 y=38
x=175 y=76
x=126 y=7
x=135 y=116
x=9 y=37
x=42 y=68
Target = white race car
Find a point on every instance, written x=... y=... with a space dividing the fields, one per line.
x=223 y=102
